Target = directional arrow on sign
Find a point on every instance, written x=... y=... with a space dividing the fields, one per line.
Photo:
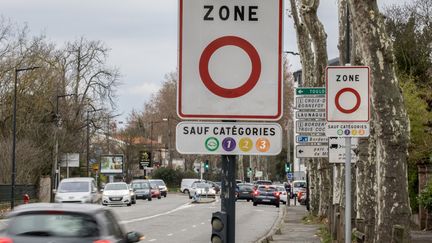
x=300 y=151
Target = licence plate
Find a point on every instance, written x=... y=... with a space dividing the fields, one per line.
x=116 y=198
x=266 y=200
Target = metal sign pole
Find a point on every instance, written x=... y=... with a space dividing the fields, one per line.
x=348 y=190
x=228 y=194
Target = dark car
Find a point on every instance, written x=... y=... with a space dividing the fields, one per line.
x=245 y=191
x=66 y=223
x=266 y=195
x=142 y=189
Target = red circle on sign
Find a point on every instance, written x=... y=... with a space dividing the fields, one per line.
x=253 y=56
x=358 y=100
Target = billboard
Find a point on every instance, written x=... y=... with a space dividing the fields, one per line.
x=111 y=164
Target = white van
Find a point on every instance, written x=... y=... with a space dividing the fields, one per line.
x=186 y=184
x=77 y=190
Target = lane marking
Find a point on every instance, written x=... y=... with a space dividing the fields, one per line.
x=152 y=240
x=202 y=223
x=193 y=226
x=183 y=229
x=187 y=205
x=170 y=234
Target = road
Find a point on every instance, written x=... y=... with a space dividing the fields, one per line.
x=175 y=219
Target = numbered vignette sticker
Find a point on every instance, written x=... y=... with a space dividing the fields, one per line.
x=243 y=138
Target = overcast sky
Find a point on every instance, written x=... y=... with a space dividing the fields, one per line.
x=142 y=35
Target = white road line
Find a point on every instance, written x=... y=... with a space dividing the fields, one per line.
x=152 y=240
x=202 y=223
x=170 y=234
x=183 y=229
x=187 y=205
x=193 y=226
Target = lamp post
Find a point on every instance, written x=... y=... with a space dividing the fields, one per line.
x=88 y=141
x=55 y=173
x=167 y=119
x=17 y=71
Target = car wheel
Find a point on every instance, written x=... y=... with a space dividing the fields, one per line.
x=165 y=195
x=103 y=204
x=284 y=202
x=149 y=199
x=129 y=204
x=255 y=204
x=186 y=191
x=248 y=200
x=159 y=197
x=277 y=205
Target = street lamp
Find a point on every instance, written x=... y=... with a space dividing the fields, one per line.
x=17 y=70
x=55 y=174
x=167 y=119
x=88 y=141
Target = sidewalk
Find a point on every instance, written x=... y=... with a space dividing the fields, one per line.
x=292 y=228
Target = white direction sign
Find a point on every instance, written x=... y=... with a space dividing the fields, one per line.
x=311 y=151
x=308 y=115
x=305 y=126
x=243 y=138
x=347 y=93
x=230 y=59
x=310 y=103
x=337 y=153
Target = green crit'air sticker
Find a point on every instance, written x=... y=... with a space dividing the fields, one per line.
x=212 y=144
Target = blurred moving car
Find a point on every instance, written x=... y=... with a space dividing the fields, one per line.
x=245 y=191
x=142 y=189
x=283 y=195
x=216 y=186
x=266 y=194
x=132 y=192
x=77 y=190
x=202 y=189
x=66 y=223
x=263 y=182
x=116 y=193
x=162 y=187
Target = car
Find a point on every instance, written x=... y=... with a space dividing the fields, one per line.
x=215 y=185
x=283 y=195
x=142 y=189
x=202 y=189
x=297 y=186
x=162 y=187
x=116 y=193
x=263 y=182
x=245 y=191
x=65 y=222
x=266 y=194
x=77 y=190
x=186 y=185
x=132 y=192
x=154 y=191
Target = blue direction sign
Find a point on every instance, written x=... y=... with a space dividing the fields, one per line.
x=290 y=176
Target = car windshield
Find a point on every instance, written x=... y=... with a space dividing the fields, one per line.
x=53 y=224
x=78 y=186
x=202 y=185
x=246 y=188
x=158 y=183
x=113 y=187
x=264 y=182
x=300 y=184
x=140 y=185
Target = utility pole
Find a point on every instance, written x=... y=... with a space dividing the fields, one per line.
x=88 y=142
x=17 y=70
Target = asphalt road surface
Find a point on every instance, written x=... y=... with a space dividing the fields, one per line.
x=175 y=219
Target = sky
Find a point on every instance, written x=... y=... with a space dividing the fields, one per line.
x=142 y=36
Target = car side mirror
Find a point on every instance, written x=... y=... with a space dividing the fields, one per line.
x=134 y=236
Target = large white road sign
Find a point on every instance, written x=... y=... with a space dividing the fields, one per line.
x=230 y=59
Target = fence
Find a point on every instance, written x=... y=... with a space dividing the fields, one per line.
x=20 y=190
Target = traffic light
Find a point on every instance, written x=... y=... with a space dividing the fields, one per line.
x=219 y=227
x=206 y=166
x=288 y=167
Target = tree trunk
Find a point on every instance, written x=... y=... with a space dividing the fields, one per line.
x=390 y=121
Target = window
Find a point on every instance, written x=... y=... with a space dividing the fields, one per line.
x=114 y=187
x=55 y=224
x=78 y=186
